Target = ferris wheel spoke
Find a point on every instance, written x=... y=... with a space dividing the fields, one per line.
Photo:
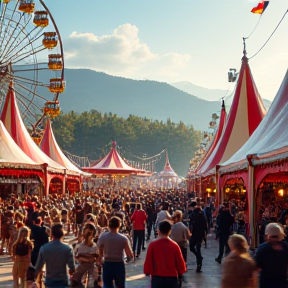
x=26 y=107
x=14 y=47
x=28 y=90
x=17 y=25
x=28 y=70
x=30 y=101
x=25 y=54
x=8 y=53
x=3 y=18
x=28 y=82
x=10 y=20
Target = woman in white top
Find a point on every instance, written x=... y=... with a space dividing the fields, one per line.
x=85 y=253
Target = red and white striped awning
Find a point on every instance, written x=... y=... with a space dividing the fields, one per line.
x=247 y=111
x=13 y=123
x=51 y=148
x=112 y=164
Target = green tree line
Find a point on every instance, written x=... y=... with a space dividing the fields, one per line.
x=88 y=134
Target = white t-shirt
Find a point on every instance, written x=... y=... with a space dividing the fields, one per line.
x=81 y=248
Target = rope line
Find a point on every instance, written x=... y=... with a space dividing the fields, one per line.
x=270 y=35
x=255 y=27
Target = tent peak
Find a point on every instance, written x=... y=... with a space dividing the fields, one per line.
x=244 y=58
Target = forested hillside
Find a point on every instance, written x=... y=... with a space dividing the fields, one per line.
x=88 y=134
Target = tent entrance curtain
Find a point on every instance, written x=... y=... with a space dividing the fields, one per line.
x=73 y=185
x=56 y=185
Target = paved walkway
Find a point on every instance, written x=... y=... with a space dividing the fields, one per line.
x=210 y=277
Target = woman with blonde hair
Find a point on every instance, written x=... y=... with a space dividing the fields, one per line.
x=238 y=267
x=22 y=256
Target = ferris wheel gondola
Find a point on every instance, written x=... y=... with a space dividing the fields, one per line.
x=31 y=58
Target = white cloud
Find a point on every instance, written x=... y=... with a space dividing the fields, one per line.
x=122 y=53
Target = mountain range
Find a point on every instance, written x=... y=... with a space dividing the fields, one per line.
x=88 y=89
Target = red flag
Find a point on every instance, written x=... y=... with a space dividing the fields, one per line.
x=260 y=8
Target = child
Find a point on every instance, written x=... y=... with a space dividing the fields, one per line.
x=22 y=256
x=85 y=253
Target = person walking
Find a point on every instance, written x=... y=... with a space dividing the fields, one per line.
x=21 y=256
x=164 y=260
x=111 y=245
x=199 y=230
x=272 y=258
x=238 y=267
x=85 y=253
x=138 y=219
x=56 y=256
x=39 y=237
x=180 y=233
x=163 y=214
x=225 y=223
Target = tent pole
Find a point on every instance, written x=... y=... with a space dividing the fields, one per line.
x=251 y=202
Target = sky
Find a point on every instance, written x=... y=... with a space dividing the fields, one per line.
x=174 y=40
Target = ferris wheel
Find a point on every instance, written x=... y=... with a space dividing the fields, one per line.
x=31 y=58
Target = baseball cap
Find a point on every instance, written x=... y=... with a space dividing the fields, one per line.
x=274 y=230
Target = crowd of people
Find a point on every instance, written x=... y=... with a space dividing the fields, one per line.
x=111 y=227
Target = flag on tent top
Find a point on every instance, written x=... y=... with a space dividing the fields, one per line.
x=260 y=8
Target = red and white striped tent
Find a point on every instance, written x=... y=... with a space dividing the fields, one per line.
x=13 y=122
x=13 y=161
x=10 y=151
x=265 y=154
x=168 y=172
x=112 y=164
x=216 y=138
x=247 y=111
x=51 y=148
x=268 y=142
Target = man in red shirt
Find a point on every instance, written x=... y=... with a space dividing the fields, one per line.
x=164 y=260
x=138 y=219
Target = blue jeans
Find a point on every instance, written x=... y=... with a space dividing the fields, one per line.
x=114 y=271
x=164 y=282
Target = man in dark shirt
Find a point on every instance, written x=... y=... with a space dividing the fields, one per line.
x=199 y=229
x=272 y=258
x=224 y=224
x=40 y=237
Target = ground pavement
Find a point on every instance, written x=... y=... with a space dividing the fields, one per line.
x=210 y=277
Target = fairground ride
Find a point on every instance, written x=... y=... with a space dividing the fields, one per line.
x=32 y=60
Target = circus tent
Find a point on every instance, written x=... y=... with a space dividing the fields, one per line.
x=167 y=172
x=258 y=143
x=193 y=179
x=15 y=165
x=264 y=157
x=167 y=177
x=54 y=172
x=111 y=164
x=10 y=151
x=216 y=138
x=246 y=112
x=51 y=148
